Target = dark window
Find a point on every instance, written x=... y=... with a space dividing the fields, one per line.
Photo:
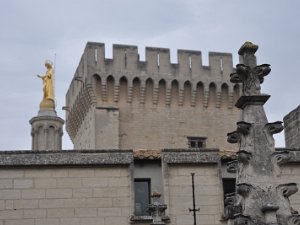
x=141 y=197
x=196 y=142
x=228 y=186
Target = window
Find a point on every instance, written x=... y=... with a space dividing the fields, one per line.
x=196 y=142
x=228 y=186
x=142 y=197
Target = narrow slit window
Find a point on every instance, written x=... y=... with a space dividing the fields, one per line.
x=96 y=55
x=190 y=63
x=221 y=64
x=125 y=58
x=158 y=59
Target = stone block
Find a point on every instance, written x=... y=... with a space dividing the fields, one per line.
x=69 y=182
x=61 y=203
x=123 y=192
x=45 y=183
x=121 y=202
x=33 y=194
x=82 y=172
x=105 y=212
x=83 y=192
x=108 y=172
x=34 y=213
x=118 y=181
x=99 y=202
x=47 y=221
x=26 y=204
x=21 y=222
x=23 y=183
x=60 y=213
x=70 y=221
x=6 y=183
x=59 y=193
x=116 y=220
x=11 y=173
x=9 y=204
x=10 y=194
x=59 y=173
x=2 y=204
x=105 y=192
x=11 y=214
x=85 y=212
x=95 y=182
x=92 y=221
x=38 y=173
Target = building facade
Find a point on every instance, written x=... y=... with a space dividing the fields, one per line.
x=126 y=103
x=140 y=129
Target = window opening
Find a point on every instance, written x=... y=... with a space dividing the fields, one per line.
x=190 y=63
x=142 y=197
x=197 y=142
x=221 y=64
x=228 y=187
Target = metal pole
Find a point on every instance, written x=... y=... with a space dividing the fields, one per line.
x=194 y=201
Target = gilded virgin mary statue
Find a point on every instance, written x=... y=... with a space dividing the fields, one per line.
x=48 y=87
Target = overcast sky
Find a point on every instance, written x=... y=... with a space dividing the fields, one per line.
x=35 y=30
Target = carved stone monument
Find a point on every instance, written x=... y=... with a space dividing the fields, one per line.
x=157 y=210
x=47 y=127
x=259 y=198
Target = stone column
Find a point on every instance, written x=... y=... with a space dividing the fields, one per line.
x=47 y=130
x=259 y=199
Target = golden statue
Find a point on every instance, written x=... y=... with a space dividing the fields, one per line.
x=48 y=83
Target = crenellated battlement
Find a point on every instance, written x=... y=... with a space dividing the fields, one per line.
x=125 y=82
x=157 y=61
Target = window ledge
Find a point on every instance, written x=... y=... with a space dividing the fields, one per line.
x=146 y=218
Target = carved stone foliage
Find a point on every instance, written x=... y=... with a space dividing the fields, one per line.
x=264 y=201
x=250 y=77
x=231 y=207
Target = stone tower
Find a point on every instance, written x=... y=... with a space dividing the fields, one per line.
x=46 y=130
x=292 y=128
x=260 y=199
x=47 y=127
x=127 y=103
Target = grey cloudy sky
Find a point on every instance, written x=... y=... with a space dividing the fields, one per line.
x=35 y=30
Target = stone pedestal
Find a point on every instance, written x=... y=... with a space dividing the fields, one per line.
x=47 y=130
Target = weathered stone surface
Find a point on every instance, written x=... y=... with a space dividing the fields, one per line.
x=65 y=158
x=264 y=199
x=173 y=156
x=46 y=130
x=127 y=103
x=292 y=128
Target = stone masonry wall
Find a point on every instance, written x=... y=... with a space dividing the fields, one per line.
x=291 y=174
x=207 y=191
x=154 y=94
x=64 y=196
x=85 y=137
x=292 y=128
x=168 y=128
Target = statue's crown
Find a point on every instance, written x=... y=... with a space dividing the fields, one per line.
x=48 y=62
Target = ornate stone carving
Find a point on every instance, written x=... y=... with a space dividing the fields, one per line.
x=232 y=166
x=157 y=209
x=264 y=201
x=233 y=137
x=243 y=156
x=243 y=189
x=243 y=127
x=287 y=189
x=275 y=127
